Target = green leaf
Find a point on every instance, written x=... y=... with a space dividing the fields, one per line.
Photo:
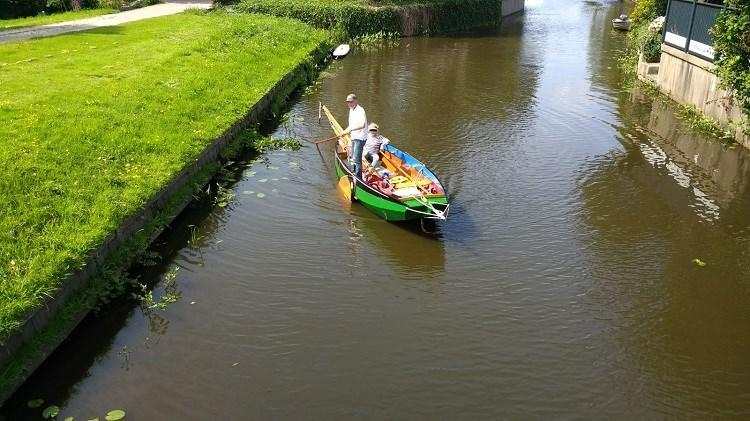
x=115 y=414
x=69 y=419
x=699 y=262
x=261 y=195
x=35 y=403
x=263 y=180
x=51 y=412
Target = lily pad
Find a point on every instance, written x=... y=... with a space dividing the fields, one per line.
x=263 y=180
x=248 y=192
x=699 y=262
x=115 y=415
x=51 y=412
x=261 y=195
x=35 y=403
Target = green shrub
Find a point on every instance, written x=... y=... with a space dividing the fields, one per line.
x=20 y=8
x=731 y=37
x=647 y=10
x=354 y=18
x=647 y=41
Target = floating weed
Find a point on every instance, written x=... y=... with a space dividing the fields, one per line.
x=263 y=180
x=271 y=167
x=68 y=418
x=293 y=165
x=275 y=179
x=248 y=192
x=285 y=178
x=51 y=412
x=223 y=197
x=274 y=190
x=261 y=195
x=699 y=262
x=35 y=403
x=250 y=173
x=115 y=415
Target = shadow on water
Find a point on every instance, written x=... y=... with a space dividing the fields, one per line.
x=95 y=336
x=404 y=245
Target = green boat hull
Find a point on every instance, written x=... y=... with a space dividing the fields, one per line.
x=387 y=208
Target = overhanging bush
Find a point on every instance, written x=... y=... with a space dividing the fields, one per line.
x=360 y=17
x=731 y=37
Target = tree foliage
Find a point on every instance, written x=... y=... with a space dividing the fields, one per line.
x=731 y=37
x=360 y=17
x=646 y=11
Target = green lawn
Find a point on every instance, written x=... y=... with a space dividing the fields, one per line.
x=6 y=24
x=96 y=122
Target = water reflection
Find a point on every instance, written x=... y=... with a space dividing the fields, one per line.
x=667 y=196
x=413 y=253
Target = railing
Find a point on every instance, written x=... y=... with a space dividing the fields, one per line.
x=688 y=24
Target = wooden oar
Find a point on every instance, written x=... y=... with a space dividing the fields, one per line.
x=318 y=142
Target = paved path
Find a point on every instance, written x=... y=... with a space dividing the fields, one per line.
x=169 y=7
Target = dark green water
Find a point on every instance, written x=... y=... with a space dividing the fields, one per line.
x=562 y=285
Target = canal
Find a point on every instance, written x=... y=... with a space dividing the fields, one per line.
x=564 y=283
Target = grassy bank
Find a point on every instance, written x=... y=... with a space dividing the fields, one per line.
x=97 y=122
x=353 y=18
x=6 y=24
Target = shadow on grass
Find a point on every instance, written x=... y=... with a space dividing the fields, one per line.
x=37 y=32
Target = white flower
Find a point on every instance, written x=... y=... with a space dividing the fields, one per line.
x=656 y=25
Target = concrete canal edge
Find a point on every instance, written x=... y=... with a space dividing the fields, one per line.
x=150 y=221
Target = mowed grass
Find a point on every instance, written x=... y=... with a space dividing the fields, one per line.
x=96 y=122
x=6 y=24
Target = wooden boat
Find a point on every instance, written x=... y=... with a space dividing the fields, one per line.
x=622 y=23
x=403 y=189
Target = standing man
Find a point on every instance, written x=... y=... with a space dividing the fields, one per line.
x=357 y=128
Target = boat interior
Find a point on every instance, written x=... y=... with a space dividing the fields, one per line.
x=394 y=177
